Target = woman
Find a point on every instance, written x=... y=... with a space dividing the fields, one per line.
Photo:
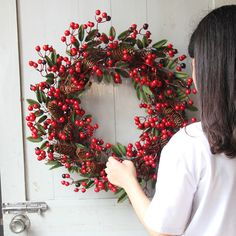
x=196 y=184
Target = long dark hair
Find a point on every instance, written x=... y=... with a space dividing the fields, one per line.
x=213 y=46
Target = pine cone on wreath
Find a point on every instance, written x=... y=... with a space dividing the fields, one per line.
x=54 y=110
x=66 y=149
x=171 y=115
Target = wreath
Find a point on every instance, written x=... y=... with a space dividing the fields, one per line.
x=66 y=132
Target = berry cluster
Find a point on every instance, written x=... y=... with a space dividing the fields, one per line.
x=57 y=119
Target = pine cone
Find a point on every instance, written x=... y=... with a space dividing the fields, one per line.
x=163 y=142
x=68 y=130
x=69 y=88
x=117 y=53
x=66 y=149
x=95 y=168
x=92 y=168
x=54 y=110
x=81 y=154
x=143 y=170
x=172 y=115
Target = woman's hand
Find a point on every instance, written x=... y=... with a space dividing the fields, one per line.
x=120 y=173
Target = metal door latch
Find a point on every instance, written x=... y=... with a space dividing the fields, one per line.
x=24 y=207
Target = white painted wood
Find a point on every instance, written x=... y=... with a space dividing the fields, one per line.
x=113 y=106
x=11 y=144
x=43 y=184
x=124 y=14
x=86 y=218
x=219 y=3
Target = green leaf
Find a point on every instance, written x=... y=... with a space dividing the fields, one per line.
x=93 y=44
x=116 y=150
x=138 y=93
x=123 y=197
x=43 y=146
x=155 y=131
x=91 y=35
x=57 y=165
x=122 y=72
x=159 y=44
x=143 y=96
x=68 y=53
x=122 y=64
x=54 y=57
x=50 y=78
x=35 y=140
x=41 y=129
x=124 y=35
x=90 y=184
x=112 y=32
x=181 y=75
x=172 y=63
x=81 y=33
x=43 y=96
x=147 y=90
x=181 y=94
x=121 y=190
x=191 y=108
x=39 y=113
x=145 y=41
x=49 y=61
x=32 y=102
x=107 y=77
x=129 y=42
x=122 y=149
x=76 y=43
x=79 y=145
x=38 y=95
x=139 y=44
x=41 y=119
x=49 y=162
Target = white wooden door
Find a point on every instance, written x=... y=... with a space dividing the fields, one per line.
x=26 y=23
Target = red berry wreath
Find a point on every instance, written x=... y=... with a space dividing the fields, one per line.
x=57 y=119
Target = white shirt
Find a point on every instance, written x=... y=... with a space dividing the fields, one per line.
x=195 y=190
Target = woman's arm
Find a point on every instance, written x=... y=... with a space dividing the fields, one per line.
x=124 y=175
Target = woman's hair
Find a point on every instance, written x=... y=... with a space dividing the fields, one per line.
x=213 y=46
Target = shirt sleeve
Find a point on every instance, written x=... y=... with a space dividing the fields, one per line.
x=170 y=208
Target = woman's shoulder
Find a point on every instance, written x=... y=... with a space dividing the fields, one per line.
x=190 y=137
x=190 y=133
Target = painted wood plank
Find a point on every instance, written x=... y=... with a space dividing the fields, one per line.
x=124 y=14
x=85 y=218
x=219 y=3
x=11 y=144
x=49 y=30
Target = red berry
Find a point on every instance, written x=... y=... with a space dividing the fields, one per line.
x=45 y=47
x=134 y=26
x=98 y=12
x=67 y=165
x=67 y=33
x=104 y=15
x=37 y=48
x=62 y=119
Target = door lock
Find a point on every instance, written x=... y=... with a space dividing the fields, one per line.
x=24 y=207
